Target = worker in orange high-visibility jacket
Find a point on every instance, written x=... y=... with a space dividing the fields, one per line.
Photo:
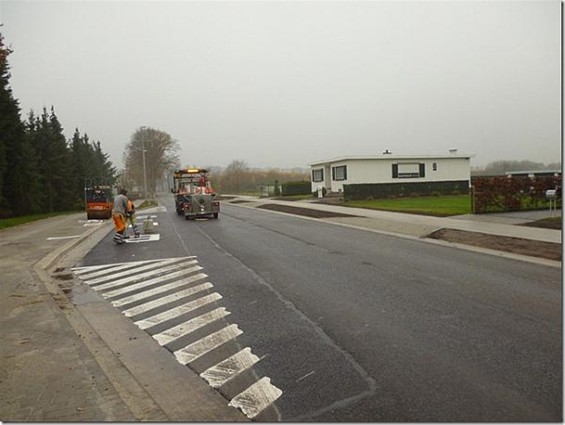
x=119 y=214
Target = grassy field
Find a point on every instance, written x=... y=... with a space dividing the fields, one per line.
x=441 y=206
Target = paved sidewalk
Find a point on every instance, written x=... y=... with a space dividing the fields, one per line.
x=56 y=366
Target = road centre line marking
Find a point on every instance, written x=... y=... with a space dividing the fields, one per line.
x=256 y=398
x=136 y=286
x=172 y=313
x=127 y=274
x=197 y=349
x=222 y=372
x=190 y=326
x=161 y=289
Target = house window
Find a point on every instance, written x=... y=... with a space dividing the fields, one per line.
x=434 y=166
x=318 y=175
x=408 y=170
x=339 y=173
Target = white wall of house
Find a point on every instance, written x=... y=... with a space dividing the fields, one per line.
x=380 y=170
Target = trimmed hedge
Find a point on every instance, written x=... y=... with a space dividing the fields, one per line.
x=296 y=188
x=516 y=193
x=359 y=192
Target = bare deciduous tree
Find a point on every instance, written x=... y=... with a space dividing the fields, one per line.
x=161 y=154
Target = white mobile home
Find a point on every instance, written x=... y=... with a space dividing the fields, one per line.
x=388 y=169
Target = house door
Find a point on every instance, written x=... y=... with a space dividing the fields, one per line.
x=328 y=178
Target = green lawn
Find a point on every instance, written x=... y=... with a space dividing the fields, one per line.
x=441 y=206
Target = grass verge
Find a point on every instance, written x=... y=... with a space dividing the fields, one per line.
x=16 y=221
x=440 y=206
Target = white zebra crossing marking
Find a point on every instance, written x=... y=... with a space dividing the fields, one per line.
x=120 y=279
x=197 y=349
x=137 y=284
x=190 y=326
x=127 y=274
x=219 y=374
x=256 y=398
x=89 y=272
x=162 y=289
x=172 y=313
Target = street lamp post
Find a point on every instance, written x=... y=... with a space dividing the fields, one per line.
x=144 y=167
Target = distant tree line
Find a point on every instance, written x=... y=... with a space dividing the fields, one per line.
x=498 y=168
x=238 y=177
x=40 y=171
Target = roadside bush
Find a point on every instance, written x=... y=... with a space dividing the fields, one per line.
x=502 y=193
x=296 y=188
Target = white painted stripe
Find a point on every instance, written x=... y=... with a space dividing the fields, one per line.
x=190 y=326
x=56 y=238
x=146 y=283
x=85 y=269
x=197 y=349
x=97 y=271
x=89 y=269
x=119 y=266
x=144 y=238
x=160 y=290
x=219 y=374
x=256 y=398
x=137 y=271
x=172 y=313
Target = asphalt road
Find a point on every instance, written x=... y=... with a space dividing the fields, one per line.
x=357 y=326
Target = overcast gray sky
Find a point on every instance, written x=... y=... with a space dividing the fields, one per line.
x=286 y=83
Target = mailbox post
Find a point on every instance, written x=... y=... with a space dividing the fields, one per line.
x=551 y=196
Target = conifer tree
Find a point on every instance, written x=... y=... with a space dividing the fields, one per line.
x=11 y=135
